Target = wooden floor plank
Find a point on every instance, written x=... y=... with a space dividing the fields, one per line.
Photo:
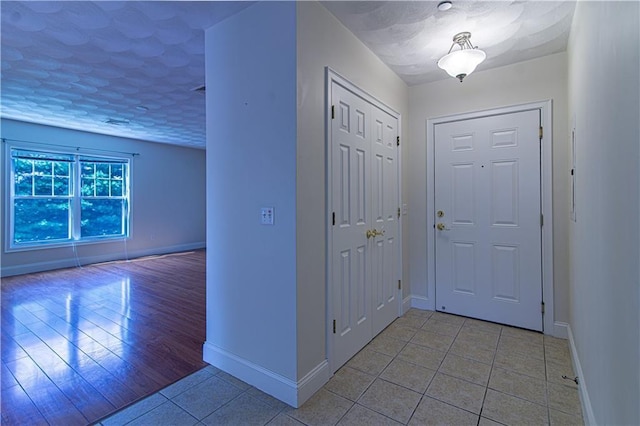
x=82 y=342
x=54 y=406
x=18 y=409
x=77 y=390
x=95 y=375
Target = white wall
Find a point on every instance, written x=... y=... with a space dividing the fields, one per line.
x=324 y=41
x=266 y=288
x=167 y=199
x=604 y=242
x=529 y=81
x=251 y=163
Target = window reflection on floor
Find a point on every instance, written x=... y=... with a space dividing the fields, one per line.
x=80 y=343
x=77 y=335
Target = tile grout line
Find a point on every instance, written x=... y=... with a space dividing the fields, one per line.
x=424 y=394
x=546 y=380
x=486 y=389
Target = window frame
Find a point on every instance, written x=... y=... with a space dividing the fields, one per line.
x=75 y=198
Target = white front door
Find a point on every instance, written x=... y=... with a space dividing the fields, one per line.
x=364 y=200
x=488 y=218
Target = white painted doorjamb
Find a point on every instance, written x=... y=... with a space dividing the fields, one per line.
x=546 y=187
x=332 y=76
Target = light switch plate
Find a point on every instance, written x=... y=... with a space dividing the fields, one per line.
x=267 y=215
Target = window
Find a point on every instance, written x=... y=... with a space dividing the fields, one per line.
x=58 y=198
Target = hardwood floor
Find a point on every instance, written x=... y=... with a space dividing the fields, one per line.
x=80 y=343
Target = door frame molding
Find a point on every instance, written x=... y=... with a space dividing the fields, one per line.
x=331 y=77
x=546 y=199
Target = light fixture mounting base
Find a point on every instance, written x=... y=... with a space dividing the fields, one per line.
x=462 y=38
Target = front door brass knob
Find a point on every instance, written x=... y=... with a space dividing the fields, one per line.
x=442 y=227
x=374 y=233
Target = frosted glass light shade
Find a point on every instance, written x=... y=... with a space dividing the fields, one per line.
x=461 y=63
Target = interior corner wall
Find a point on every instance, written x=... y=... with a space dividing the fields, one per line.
x=323 y=41
x=604 y=93
x=251 y=163
x=530 y=81
x=167 y=199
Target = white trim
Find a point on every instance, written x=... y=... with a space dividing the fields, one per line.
x=421 y=302
x=546 y=187
x=406 y=305
x=331 y=77
x=71 y=261
x=289 y=391
x=312 y=382
x=560 y=330
x=587 y=410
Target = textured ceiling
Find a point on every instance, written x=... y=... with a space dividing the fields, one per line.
x=411 y=36
x=79 y=64
x=127 y=68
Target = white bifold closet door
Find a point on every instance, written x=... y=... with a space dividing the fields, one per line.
x=365 y=200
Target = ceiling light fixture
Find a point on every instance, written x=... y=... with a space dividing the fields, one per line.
x=444 y=5
x=461 y=63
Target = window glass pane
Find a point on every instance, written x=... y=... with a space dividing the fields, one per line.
x=23 y=166
x=88 y=187
x=61 y=169
x=61 y=186
x=43 y=185
x=116 y=188
x=102 y=170
x=43 y=167
x=116 y=171
x=103 y=217
x=23 y=186
x=88 y=170
x=102 y=187
x=41 y=219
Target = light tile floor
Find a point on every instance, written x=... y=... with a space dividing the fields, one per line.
x=426 y=368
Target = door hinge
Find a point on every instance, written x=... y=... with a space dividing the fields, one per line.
x=398 y=212
x=540 y=133
x=541 y=220
x=398 y=140
x=333 y=112
x=333 y=218
x=334 y=326
x=542 y=307
x=399 y=284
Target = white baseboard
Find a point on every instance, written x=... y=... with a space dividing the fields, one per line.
x=560 y=330
x=421 y=302
x=406 y=304
x=286 y=390
x=27 y=268
x=587 y=409
x=312 y=382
